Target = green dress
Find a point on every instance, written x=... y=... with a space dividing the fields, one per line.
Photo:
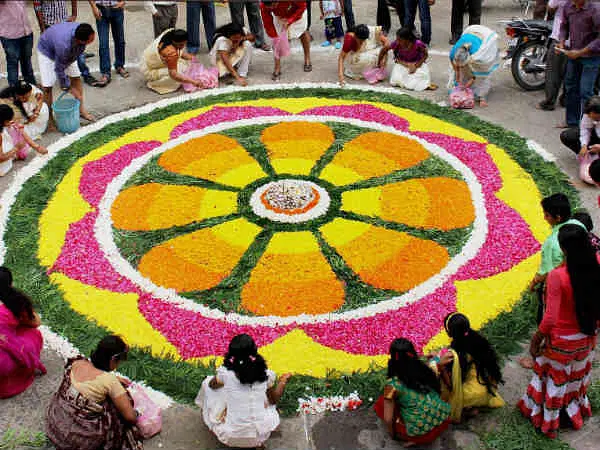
x=420 y=412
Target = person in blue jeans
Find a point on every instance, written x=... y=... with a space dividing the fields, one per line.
x=410 y=14
x=110 y=14
x=17 y=40
x=581 y=22
x=193 y=9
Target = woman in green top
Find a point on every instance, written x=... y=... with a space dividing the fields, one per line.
x=411 y=406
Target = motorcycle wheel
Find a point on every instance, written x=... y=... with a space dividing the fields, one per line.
x=532 y=51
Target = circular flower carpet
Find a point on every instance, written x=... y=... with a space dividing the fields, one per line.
x=323 y=222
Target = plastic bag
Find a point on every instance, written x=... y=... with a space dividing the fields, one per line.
x=196 y=71
x=374 y=75
x=149 y=421
x=462 y=98
x=584 y=166
x=281 y=45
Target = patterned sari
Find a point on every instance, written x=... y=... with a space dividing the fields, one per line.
x=76 y=423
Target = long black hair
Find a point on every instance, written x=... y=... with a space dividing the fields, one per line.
x=227 y=30
x=405 y=365
x=16 y=301
x=11 y=92
x=466 y=341
x=175 y=35
x=584 y=272
x=110 y=348
x=242 y=357
x=6 y=113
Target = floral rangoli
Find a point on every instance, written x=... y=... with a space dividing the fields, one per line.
x=323 y=222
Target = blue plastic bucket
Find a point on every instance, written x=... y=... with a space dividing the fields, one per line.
x=66 y=113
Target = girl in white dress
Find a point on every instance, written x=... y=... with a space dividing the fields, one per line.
x=29 y=101
x=238 y=403
x=231 y=52
x=14 y=142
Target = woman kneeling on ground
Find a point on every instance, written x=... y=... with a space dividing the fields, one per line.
x=471 y=376
x=410 y=69
x=20 y=340
x=92 y=409
x=165 y=62
x=360 y=52
x=238 y=403
x=411 y=405
x=232 y=52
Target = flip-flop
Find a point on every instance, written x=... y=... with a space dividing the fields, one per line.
x=275 y=76
x=308 y=67
x=123 y=72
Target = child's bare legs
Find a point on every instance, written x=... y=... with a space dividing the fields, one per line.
x=305 y=40
x=276 y=70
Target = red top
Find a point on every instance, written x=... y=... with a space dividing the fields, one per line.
x=290 y=10
x=560 y=316
x=350 y=43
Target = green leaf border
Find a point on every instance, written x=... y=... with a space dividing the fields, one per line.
x=182 y=380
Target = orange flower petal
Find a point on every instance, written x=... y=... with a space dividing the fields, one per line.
x=298 y=279
x=294 y=147
x=377 y=153
x=199 y=260
x=213 y=157
x=442 y=203
x=154 y=206
x=389 y=259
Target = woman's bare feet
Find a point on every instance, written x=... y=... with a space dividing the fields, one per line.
x=526 y=362
x=483 y=103
x=86 y=115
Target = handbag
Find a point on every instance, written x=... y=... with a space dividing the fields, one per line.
x=374 y=75
x=281 y=45
x=584 y=167
x=149 y=421
x=196 y=71
x=462 y=98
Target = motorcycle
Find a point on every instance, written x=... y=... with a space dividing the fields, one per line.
x=528 y=44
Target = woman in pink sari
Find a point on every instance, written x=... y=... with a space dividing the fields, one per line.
x=20 y=340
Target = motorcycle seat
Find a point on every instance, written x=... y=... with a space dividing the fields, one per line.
x=541 y=24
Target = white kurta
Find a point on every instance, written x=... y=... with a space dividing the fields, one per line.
x=7 y=146
x=35 y=129
x=240 y=415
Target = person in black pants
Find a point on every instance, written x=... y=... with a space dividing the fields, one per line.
x=585 y=137
x=383 y=13
x=459 y=8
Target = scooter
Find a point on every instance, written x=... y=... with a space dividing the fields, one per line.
x=528 y=44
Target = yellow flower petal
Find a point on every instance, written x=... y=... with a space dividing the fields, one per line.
x=198 y=260
x=210 y=157
x=297 y=141
x=153 y=206
x=286 y=282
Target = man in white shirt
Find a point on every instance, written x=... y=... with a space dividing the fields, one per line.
x=164 y=15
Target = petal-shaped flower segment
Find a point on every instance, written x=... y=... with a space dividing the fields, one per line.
x=198 y=260
x=296 y=276
x=438 y=202
x=375 y=154
x=162 y=206
x=212 y=157
x=385 y=258
x=295 y=147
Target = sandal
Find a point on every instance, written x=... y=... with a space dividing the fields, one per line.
x=275 y=76
x=308 y=67
x=92 y=81
x=123 y=72
x=432 y=87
